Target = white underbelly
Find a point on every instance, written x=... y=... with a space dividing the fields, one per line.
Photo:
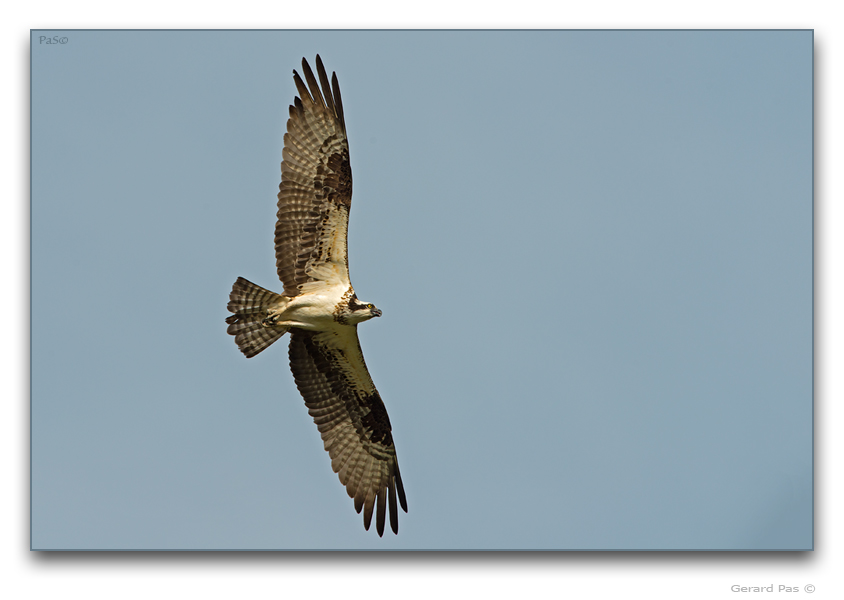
x=313 y=311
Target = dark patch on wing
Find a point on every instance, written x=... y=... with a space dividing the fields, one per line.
x=340 y=180
x=376 y=420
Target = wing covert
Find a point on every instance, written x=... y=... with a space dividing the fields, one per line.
x=332 y=377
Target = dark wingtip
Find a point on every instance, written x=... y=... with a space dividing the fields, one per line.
x=400 y=488
x=326 y=86
x=313 y=86
x=304 y=94
x=338 y=100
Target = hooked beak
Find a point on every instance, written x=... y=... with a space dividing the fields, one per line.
x=376 y=312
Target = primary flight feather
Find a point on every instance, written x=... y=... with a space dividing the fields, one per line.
x=319 y=307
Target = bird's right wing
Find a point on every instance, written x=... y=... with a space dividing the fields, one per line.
x=332 y=377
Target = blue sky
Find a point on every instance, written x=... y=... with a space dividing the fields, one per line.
x=593 y=251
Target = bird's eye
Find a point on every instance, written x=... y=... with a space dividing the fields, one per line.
x=370 y=306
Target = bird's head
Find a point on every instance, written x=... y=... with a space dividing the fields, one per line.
x=361 y=311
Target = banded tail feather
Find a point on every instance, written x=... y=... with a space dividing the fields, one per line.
x=250 y=304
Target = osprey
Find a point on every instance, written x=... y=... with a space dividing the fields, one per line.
x=319 y=307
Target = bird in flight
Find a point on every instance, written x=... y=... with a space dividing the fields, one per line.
x=319 y=307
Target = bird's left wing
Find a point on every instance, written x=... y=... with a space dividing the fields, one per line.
x=316 y=188
x=332 y=377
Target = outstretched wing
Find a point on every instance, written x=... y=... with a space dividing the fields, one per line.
x=332 y=377
x=316 y=188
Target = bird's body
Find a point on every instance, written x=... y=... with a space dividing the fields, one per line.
x=319 y=307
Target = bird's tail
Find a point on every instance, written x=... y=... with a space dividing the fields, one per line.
x=250 y=304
